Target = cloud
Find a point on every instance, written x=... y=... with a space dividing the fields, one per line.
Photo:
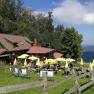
x=89 y=18
x=73 y=11
x=39 y=12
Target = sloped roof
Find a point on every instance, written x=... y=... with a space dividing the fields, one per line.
x=2 y=51
x=39 y=50
x=8 y=41
x=14 y=38
x=57 y=55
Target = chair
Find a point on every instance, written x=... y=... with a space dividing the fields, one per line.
x=10 y=69
x=42 y=72
x=23 y=72
x=16 y=71
x=50 y=74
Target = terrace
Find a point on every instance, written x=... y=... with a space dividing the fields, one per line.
x=7 y=78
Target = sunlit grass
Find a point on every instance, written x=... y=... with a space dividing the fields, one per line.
x=7 y=78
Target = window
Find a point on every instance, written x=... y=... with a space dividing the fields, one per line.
x=15 y=44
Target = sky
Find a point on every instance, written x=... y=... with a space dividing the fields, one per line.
x=76 y=13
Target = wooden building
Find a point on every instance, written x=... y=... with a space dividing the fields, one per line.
x=12 y=45
x=40 y=51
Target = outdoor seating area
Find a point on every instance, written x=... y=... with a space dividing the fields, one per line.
x=20 y=72
x=27 y=68
x=46 y=47
x=24 y=64
x=46 y=66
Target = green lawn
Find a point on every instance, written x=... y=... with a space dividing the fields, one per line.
x=57 y=90
x=7 y=78
x=84 y=80
x=60 y=89
x=89 y=90
x=32 y=91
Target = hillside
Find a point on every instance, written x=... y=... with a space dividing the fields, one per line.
x=89 y=48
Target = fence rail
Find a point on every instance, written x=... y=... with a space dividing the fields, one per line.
x=58 y=82
x=32 y=85
x=77 y=87
x=73 y=89
x=12 y=88
x=86 y=86
x=40 y=83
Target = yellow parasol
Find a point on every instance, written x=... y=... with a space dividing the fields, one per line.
x=33 y=58
x=66 y=65
x=81 y=62
x=60 y=59
x=23 y=56
x=38 y=62
x=92 y=63
x=15 y=62
x=69 y=60
x=91 y=67
x=41 y=65
x=25 y=62
x=50 y=61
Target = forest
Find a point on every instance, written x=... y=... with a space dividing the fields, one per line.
x=19 y=20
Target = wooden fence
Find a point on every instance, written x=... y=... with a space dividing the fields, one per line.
x=50 y=85
x=77 y=87
x=85 y=86
x=32 y=85
x=73 y=89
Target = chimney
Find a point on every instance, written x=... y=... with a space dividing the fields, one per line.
x=36 y=42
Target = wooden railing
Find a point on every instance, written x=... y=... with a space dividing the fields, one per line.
x=73 y=89
x=85 y=86
x=50 y=85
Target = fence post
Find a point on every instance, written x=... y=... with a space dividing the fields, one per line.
x=45 y=89
x=76 y=81
x=75 y=78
